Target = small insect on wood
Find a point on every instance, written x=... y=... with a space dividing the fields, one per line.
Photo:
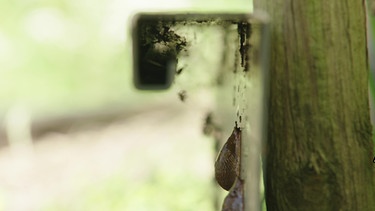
x=227 y=165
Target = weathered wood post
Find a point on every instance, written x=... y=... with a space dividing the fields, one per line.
x=319 y=145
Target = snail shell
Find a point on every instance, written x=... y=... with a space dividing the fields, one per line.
x=227 y=165
x=234 y=200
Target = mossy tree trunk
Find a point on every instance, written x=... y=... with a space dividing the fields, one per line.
x=319 y=153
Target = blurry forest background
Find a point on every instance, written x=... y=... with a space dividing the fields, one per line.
x=74 y=132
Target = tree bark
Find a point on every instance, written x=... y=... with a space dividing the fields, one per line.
x=319 y=143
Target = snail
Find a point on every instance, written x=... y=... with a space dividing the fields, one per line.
x=234 y=200
x=227 y=164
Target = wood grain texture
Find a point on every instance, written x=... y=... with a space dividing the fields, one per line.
x=319 y=144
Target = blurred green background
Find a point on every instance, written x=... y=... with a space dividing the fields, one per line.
x=62 y=57
x=59 y=55
x=72 y=58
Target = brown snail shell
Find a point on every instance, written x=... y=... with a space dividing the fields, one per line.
x=227 y=165
x=234 y=200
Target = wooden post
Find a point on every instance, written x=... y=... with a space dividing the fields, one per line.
x=319 y=145
x=243 y=97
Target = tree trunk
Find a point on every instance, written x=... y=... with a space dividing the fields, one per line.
x=319 y=146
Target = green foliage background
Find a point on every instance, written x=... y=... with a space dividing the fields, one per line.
x=74 y=56
x=59 y=56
